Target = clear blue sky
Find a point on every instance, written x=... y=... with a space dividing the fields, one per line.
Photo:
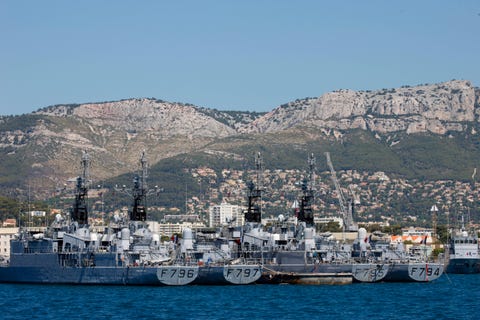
x=229 y=55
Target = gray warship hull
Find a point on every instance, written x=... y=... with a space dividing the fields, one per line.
x=297 y=267
x=464 y=252
x=463 y=265
x=413 y=272
x=342 y=273
x=46 y=269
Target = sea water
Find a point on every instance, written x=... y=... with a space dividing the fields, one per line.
x=450 y=297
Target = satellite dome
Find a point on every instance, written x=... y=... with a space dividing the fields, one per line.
x=362 y=233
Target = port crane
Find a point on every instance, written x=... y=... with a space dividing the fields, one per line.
x=348 y=224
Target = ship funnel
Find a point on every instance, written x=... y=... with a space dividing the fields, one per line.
x=187 y=240
x=125 y=239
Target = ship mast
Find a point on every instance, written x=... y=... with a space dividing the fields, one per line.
x=254 y=210
x=139 y=192
x=79 y=212
x=308 y=188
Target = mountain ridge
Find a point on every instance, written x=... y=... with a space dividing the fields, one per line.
x=43 y=145
x=436 y=108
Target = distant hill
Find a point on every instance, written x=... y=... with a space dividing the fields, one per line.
x=427 y=131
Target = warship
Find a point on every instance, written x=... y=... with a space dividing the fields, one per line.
x=126 y=253
x=294 y=253
x=463 y=252
x=216 y=262
x=291 y=252
x=200 y=263
x=69 y=252
x=392 y=263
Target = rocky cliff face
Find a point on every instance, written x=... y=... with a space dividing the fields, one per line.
x=162 y=119
x=436 y=108
x=114 y=133
x=46 y=143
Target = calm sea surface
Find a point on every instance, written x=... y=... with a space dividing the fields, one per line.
x=450 y=297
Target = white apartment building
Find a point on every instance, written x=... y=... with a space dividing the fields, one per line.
x=225 y=214
x=417 y=231
x=168 y=229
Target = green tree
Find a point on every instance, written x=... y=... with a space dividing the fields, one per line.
x=442 y=233
x=332 y=226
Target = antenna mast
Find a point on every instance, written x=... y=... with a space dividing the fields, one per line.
x=139 y=192
x=308 y=189
x=80 y=211
x=254 y=210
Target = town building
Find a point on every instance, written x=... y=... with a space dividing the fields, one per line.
x=9 y=223
x=169 y=229
x=226 y=214
x=6 y=234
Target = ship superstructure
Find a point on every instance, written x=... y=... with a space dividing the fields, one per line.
x=463 y=252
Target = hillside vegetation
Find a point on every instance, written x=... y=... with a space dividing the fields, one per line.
x=424 y=133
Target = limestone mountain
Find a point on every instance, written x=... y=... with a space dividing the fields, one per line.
x=44 y=146
x=42 y=149
x=437 y=108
